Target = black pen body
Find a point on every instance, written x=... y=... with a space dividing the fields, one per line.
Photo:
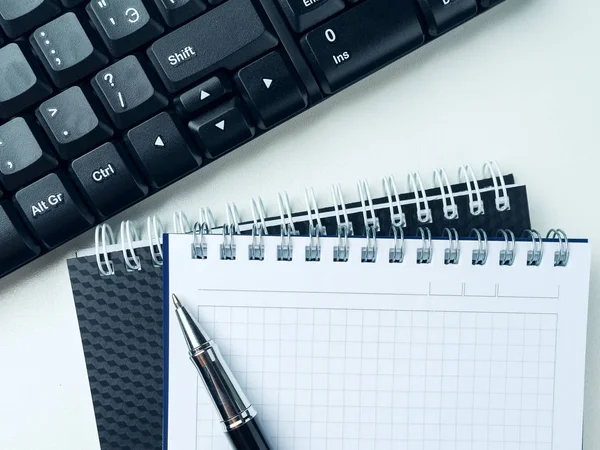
x=248 y=437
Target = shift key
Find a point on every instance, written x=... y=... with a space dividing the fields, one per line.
x=226 y=37
x=362 y=40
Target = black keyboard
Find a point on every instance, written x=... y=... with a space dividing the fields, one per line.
x=104 y=102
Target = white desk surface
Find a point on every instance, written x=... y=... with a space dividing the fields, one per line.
x=520 y=85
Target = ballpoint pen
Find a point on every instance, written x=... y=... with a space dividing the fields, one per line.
x=238 y=416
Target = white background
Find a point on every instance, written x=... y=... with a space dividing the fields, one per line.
x=519 y=85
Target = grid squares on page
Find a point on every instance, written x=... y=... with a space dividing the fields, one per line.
x=362 y=379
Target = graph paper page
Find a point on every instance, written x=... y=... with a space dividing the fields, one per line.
x=353 y=355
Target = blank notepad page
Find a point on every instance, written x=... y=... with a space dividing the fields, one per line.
x=352 y=355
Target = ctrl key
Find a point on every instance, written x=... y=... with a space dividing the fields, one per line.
x=53 y=210
x=17 y=247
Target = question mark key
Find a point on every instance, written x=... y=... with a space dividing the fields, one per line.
x=127 y=93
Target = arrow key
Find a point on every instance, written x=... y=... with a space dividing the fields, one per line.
x=204 y=94
x=160 y=148
x=222 y=129
x=72 y=124
x=271 y=90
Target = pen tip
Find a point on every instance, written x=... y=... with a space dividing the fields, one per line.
x=176 y=301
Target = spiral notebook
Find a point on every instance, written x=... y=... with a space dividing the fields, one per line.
x=467 y=344
x=120 y=309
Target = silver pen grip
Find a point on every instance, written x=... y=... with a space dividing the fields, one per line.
x=230 y=401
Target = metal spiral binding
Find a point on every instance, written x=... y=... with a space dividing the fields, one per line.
x=475 y=203
x=480 y=255
x=368 y=210
x=425 y=252
x=534 y=256
x=507 y=255
x=104 y=237
x=341 y=213
x=199 y=248
x=452 y=253
x=369 y=253
x=341 y=252
x=259 y=214
x=128 y=236
x=389 y=188
x=561 y=256
x=502 y=198
x=285 y=250
x=416 y=184
x=313 y=211
x=155 y=232
x=181 y=224
x=206 y=217
x=285 y=212
x=231 y=228
x=256 y=250
x=313 y=250
x=233 y=217
x=440 y=179
x=228 y=246
x=396 y=255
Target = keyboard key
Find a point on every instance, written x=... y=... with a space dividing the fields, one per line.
x=176 y=12
x=53 y=210
x=107 y=180
x=72 y=124
x=340 y=55
x=303 y=14
x=160 y=149
x=225 y=38
x=20 y=16
x=222 y=129
x=204 y=94
x=127 y=93
x=271 y=90
x=443 y=15
x=123 y=25
x=17 y=246
x=66 y=51
x=22 y=160
x=21 y=84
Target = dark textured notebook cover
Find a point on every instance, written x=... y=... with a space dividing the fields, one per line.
x=120 y=318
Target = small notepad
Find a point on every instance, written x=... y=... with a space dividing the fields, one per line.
x=384 y=355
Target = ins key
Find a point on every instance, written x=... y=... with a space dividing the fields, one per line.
x=107 y=180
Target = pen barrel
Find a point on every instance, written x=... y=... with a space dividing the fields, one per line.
x=223 y=388
x=248 y=437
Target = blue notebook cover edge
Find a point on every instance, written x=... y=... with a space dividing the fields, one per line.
x=165 y=341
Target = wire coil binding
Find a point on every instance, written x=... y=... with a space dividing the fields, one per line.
x=313 y=250
x=130 y=238
x=535 y=254
x=480 y=255
x=507 y=255
x=440 y=178
x=425 y=252
x=561 y=256
x=467 y=174
x=452 y=253
x=104 y=237
x=341 y=252
x=285 y=250
x=128 y=235
x=396 y=255
x=199 y=247
x=256 y=250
